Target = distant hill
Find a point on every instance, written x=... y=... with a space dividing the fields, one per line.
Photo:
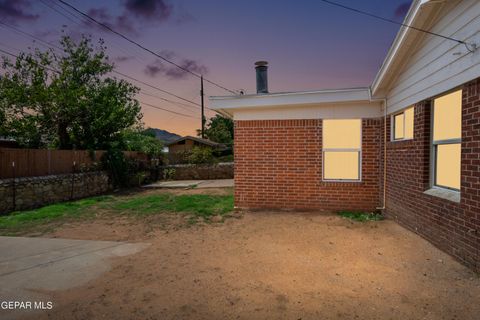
x=164 y=135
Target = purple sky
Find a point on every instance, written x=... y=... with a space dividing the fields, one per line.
x=310 y=45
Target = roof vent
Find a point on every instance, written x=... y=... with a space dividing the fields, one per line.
x=262 y=78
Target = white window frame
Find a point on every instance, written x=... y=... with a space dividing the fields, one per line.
x=392 y=127
x=359 y=150
x=435 y=143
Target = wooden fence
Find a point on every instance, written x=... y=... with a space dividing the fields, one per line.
x=42 y=162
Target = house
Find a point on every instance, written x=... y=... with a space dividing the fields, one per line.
x=408 y=145
x=186 y=143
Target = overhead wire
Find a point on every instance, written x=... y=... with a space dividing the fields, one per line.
x=47 y=44
x=141 y=46
x=372 y=15
x=142 y=102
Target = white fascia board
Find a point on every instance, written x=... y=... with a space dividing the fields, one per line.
x=402 y=34
x=290 y=99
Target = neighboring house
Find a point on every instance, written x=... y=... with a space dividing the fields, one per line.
x=409 y=144
x=188 y=142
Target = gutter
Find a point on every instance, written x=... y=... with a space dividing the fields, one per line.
x=384 y=101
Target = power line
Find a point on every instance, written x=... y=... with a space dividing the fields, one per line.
x=8 y=53
x=140 y=101
x=114 y=71
x=124 y=75
x=179 y=113
x=58 y=11
x=28 y=35
x=143 y=47
x=184 y=106
x=154 y=87
x=396 y=22
x=78 y=20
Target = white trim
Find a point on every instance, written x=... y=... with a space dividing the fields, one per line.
x=353 y=110
x=360 y=156
x=392 y=125
x=289 y=99
x=400 y=38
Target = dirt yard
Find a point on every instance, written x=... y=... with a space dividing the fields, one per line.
x=270 y=265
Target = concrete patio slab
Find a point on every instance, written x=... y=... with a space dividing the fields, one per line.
x=220 y=183
x=30 y=267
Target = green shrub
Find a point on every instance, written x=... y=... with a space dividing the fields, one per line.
x=361 y=216
x=169 y=173
x=117 y=166
x=199 y=155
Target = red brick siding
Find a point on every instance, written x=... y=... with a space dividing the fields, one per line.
x=453 y=227
x=278 y=164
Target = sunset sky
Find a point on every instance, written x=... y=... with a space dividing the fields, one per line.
x=310 y=45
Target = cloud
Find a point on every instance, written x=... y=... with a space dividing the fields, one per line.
x=12 y=11
x=137 y=14
x=123 y=58
x=159 y=10
x=120 y=23
x=402 y=9
x=158 y=68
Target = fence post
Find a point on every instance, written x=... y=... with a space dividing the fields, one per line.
x=73 y=180
x=14 y=186
x=49 y=157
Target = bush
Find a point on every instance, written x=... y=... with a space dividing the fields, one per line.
x=199 y=155
x=117 y=166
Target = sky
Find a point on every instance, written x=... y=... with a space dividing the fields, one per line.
x=310 y=45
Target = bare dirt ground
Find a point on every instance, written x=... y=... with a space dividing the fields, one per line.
x=270 y=265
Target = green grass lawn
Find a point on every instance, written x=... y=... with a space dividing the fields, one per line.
x=194 y=205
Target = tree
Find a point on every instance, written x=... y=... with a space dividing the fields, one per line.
x=219 y=129
x=143 y=141
x=65 y=100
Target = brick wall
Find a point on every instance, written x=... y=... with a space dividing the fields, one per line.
x=453 y=227
x=278 y=164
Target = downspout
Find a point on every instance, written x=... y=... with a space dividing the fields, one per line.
x=384 y=101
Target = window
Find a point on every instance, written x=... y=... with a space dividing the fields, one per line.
x=447 y=137
x=403 y=125
x=342 y=146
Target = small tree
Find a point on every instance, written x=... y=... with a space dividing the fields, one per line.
x=65 y=100
x=219 y=129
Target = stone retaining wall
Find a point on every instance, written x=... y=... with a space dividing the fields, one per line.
x=33 y=192
x=198 y=172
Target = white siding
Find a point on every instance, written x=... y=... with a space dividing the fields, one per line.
x=439 y=65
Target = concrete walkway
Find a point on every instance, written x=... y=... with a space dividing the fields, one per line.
x=29 y=267
x=221 y=183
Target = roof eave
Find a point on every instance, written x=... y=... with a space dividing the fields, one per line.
x=225 y=104
x=400 y=38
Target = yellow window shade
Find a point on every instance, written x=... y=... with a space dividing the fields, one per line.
x=409 y=123
x=447 y=117
x=399 y=126
x=448 y=165
x=342 y=165
x=342 y=134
